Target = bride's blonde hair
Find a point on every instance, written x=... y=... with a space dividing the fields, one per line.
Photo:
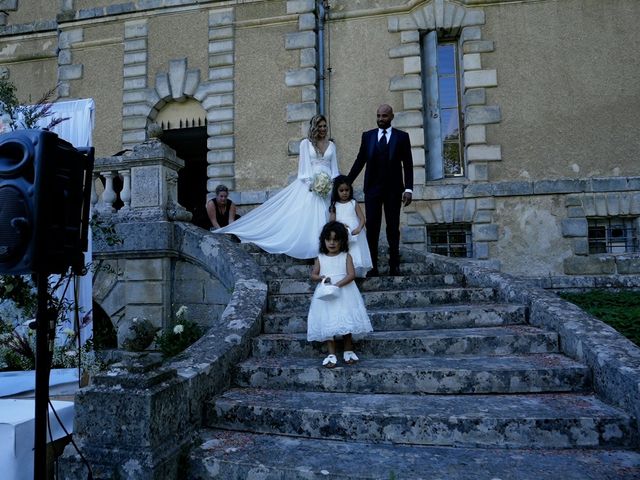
x=313 y=129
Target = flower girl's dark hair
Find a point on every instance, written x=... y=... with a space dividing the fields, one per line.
x=342 y=235
x=339 y=180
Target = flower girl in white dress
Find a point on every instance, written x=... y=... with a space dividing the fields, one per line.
x=346 y=210
x=345 y=314
x=290 y=221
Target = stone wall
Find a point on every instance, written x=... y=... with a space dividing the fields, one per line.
x=137 y=420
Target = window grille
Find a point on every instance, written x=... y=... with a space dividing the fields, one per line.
x=450 y=240
x=612 y=235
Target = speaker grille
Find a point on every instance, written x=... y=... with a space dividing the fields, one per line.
x=16 y=158
x=12 y=207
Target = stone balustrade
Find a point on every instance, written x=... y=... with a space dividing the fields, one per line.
x=148 y=185
x=138 y=419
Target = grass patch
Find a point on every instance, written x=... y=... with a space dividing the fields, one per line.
x=621 y=310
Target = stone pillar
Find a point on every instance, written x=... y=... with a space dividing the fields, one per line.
x=142 y=285
x=134 y=419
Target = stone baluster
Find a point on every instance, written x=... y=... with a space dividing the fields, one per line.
x=94 y=193
x=149 y=192
x=125 y=194
x=109 y=195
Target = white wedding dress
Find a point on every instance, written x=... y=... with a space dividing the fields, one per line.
x=290 y=222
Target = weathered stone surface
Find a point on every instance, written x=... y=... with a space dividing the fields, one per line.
x=483 y=115
x=404 y=355
x=289 y=286
x=400 y=298
x=298 y=40
x=574 y=227
x=226 y=455
x=471 y=341
x=591 y=265
x=425 y=318
x=300 y=6
x=549 y=420
x=151 y=414
x=301 y=111
x=628 y=265
x=434 y=375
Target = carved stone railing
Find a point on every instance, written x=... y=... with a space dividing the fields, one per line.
x=136 y=194
x=137 y=420
x=149 y=178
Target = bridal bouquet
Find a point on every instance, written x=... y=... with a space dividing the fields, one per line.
x=321 y=184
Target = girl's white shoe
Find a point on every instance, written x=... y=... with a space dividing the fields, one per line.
x=350 y=357
x=330 y=362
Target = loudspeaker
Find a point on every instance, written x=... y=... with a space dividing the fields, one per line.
x=45 y=188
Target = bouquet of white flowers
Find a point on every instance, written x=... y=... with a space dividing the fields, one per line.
x=321 y=184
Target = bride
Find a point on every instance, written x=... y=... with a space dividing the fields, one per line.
x=290 y=222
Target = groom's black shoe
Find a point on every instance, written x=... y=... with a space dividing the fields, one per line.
x=394 y=270
x=373 y=273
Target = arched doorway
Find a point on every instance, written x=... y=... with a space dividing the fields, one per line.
x=184 y=129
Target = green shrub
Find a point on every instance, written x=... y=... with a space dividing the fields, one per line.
x=142 y=334
x=182 y=333
x=621 y=310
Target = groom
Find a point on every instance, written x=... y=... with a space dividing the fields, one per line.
x=388 y=183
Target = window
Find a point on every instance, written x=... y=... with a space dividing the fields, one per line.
x=450 y=240
x=612 y=235
x=443 y=115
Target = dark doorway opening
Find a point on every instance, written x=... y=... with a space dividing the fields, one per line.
x=190 y=145
x=104 y=333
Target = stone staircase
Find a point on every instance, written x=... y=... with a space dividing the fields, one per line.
x=451 y=385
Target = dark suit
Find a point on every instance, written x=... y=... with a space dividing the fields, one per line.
x=386 y=176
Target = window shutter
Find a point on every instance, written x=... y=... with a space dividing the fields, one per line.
x=435 y=168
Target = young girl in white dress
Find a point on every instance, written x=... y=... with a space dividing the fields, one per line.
x=346 y=210
x=290 y=221
x=345 y=314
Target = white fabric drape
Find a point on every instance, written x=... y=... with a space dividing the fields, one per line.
x=77 y=130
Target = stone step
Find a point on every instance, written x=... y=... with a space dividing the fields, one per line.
x=229 y=455
x=441 y=375
x=421 y=318
x=397 y=298
x=302 y=271
x=269 y=259
x=286 y=286
x=549 y=420
x=462 y=341
x=264 y=258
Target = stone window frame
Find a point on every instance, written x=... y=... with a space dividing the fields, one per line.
x=575 y=227
x=7 y=6
x=448 y=228
x=478 y=212
x=465 y=24
x=304 y=78
x=431 y=43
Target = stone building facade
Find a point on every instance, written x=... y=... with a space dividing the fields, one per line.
x=543 y=96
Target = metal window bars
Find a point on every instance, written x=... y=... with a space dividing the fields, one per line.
x=612 y=235
x=450 y=240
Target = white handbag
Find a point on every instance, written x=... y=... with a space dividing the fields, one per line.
x=326 y=291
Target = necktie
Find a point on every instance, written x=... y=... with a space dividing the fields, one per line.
x=383 y=140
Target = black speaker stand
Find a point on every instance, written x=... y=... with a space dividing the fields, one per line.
x=43 y=367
